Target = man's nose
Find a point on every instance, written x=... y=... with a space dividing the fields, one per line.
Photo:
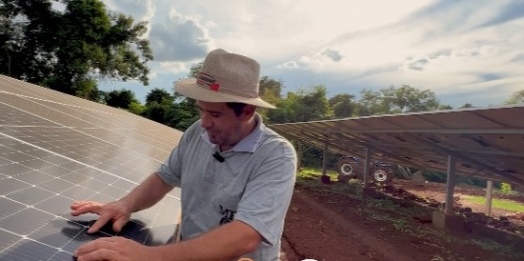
x=205 y=122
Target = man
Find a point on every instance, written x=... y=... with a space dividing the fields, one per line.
x=236 y=177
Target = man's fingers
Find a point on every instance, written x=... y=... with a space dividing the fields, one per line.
x=79 y=204
x=96 y=254
x=85 y=207
x=98 y=224
x=119 y=223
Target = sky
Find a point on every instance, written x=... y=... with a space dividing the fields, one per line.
x=466 y=51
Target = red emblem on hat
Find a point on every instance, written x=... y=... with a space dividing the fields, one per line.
x=214 y=86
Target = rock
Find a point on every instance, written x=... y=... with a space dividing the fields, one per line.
x=325 y=179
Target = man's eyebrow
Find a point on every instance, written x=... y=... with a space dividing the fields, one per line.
x=217 y=112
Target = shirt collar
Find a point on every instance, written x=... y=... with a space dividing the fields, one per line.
x=248 y=143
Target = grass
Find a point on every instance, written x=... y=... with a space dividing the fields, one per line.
x=497 y=203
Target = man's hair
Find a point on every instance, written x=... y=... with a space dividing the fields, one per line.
x=237 y=107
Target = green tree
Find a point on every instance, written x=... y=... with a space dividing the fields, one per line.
x=372 y=103
x=516 y=98
x=445 y=107
x=467 y=105
x=396 y=100
x=343 y=105
x=303 y=105
x=159 y=96
x=69 y=51
x=137 y=108
x=121 y=98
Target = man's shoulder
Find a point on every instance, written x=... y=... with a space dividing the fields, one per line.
x=194 y=130
x=276 y=144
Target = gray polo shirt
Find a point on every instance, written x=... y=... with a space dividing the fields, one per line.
x=254 y=184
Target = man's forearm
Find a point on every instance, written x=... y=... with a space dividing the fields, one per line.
x=226 y=242
x=148 y=193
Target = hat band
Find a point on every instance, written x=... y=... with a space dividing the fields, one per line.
x=220 y=84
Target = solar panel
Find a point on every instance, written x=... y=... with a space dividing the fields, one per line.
x=487 y=143
x=56 y=149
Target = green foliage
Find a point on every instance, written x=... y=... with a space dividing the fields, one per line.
x=467 y=105
x=505 y=188
x=343 y=105
x=303 y=105
x=121 y=98
x=160 y=96
x=136 y=108
x=397 y=100
x=69 y=51
x=516 y=98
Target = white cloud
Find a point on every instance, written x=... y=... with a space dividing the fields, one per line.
x=448 y=46
x=179 y=38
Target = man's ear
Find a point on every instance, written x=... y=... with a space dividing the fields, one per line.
x=248 y=111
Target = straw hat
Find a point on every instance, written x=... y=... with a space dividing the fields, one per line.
x=225 y=77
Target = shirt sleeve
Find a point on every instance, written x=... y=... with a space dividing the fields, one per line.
x=268 y=194
x=170 y=171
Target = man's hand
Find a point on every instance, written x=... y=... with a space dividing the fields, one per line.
x=113 y=249
x=116 y=211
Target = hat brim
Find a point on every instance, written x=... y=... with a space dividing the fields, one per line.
x=190 y=88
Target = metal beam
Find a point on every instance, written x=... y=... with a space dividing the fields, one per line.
x=432 y=131
x=464 y=158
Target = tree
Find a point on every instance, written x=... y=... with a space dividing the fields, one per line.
x=443 y=107
x=396 y=100
x=516 y=98
x=371 y=103
x=159 y=96
x=303 y=105
x=467 y=105
x=268 y=84
x=121 y=98
x=68 y=51
x=343 y=105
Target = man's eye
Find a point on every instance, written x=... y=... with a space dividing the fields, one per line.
x=215 y=115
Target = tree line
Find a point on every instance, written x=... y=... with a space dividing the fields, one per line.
x=71 y=51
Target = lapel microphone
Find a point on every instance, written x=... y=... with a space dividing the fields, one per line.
x=218 y=157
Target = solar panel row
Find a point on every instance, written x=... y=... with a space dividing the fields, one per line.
x=487 y=143
x=56 y=149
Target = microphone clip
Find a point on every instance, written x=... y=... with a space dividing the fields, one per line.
x=218 y=157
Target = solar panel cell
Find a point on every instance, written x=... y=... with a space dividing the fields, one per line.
x=28 y=250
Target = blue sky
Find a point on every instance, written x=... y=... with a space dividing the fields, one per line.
x=466 y=51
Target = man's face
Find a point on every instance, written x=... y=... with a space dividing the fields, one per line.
x=223 y=126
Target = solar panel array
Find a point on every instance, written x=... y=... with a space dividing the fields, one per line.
x=487 y=143
x=56 y=149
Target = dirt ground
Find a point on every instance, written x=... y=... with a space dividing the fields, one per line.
x=325 y=224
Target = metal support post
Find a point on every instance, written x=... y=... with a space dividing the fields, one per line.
x=367 y=161
x=324 y=158
x=299 y=154
x=450 y=185
x=489 y=197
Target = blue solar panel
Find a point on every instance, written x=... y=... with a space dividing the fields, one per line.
x=56 y=149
